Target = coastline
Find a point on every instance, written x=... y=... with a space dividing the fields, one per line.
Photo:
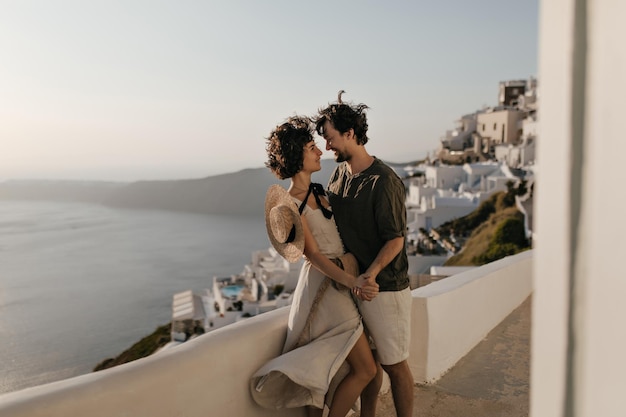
x=146 y=346
x=84 y=282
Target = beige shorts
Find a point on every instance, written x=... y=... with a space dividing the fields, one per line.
x=387 y=320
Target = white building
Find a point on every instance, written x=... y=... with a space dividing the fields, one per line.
x=447 y=192
x=523 y=153
x=496 y=132
x=517 y=156
x=461 y=137
x=499 y=126
x=234 y=298
x=446 y=177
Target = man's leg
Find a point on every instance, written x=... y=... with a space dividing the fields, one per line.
x=401 y=381
x=387 y=318
x=369 y=396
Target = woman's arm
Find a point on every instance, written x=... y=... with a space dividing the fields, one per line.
x=321 y=261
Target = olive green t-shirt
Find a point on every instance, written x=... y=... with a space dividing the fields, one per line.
x=369 y=210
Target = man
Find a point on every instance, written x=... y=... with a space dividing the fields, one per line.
x=367 y=198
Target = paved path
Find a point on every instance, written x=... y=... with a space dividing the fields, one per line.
x=490 y=381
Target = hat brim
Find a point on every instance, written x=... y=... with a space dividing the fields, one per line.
x=292 y=250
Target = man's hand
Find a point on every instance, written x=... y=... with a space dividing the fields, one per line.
x=366 y=287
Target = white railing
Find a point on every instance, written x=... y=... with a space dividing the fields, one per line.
x=452 y=315
x=209 y=375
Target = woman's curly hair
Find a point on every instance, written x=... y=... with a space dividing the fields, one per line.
x=285 y=146
x=344 y=117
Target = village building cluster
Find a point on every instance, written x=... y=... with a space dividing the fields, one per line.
x=488 y=151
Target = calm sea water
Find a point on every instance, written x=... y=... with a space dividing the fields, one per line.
x=80 y=283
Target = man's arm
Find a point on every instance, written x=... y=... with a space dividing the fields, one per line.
x=365 y=289
x=386 y=254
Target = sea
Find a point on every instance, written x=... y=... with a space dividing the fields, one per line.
x=80 y=283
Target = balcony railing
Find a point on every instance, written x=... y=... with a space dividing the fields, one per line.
x=209 y=375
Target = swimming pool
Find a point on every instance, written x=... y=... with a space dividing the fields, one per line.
x=230 y=291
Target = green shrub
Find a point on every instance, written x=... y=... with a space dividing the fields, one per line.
x=495 y=252
x=464 y=225
x=145 y=347
x=278 y=288
x=509 y=238
x=511 y=231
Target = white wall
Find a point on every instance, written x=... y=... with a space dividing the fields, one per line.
x=494 y=125
x=449 y=270
x=453 y=315
x=209 y=375
x=418 y=191
x=444 y=176
x=578 y=338
x=442 y=214
x=421 y=264
x=205 y=376
x=529 y=127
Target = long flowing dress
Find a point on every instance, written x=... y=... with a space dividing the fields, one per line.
x=312 y=362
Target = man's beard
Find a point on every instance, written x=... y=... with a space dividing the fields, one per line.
x=341 y=157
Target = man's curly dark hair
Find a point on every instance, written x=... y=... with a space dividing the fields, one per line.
x=344 y=117
x=285 y=146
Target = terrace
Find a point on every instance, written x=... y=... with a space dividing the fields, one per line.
x=574 y=273
x=210 y=374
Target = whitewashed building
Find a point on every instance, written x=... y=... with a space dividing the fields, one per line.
x=446 y=192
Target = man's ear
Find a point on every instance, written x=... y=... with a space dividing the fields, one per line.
x=350 y=134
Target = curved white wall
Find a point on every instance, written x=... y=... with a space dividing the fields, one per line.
x=209 y=375
x=203 y=377
x=452 y=315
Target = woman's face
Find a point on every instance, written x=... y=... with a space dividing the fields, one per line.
x=311 y=157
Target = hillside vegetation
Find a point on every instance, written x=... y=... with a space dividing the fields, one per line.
x=491 y=232
x=145 y=347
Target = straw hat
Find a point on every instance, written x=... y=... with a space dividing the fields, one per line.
x=283 y=223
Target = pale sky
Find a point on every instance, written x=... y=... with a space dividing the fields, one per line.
x=146 y=89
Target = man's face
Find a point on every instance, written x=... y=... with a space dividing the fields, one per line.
x=336 y=142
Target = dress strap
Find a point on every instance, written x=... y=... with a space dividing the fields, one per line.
x=317 y=190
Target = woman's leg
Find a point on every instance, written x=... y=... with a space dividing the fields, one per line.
x=369 y=396
x=362 y=371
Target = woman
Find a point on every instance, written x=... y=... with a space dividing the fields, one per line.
x=326 y=358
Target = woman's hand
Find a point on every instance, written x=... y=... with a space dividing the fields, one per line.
x=366 y=287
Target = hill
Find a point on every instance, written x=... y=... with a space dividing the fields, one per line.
x=239 y=193
x=144 y=347
x=62 y=190
x=491 y=232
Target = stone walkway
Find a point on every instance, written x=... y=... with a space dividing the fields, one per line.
x=492 y=380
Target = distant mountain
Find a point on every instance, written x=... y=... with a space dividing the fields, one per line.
x=238 y=193
x=62 y=190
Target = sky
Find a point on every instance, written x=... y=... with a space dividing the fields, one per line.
x=149 y=89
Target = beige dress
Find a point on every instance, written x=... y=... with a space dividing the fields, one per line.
x=303 y=375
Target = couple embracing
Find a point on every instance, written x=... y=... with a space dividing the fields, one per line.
x=350 y=315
